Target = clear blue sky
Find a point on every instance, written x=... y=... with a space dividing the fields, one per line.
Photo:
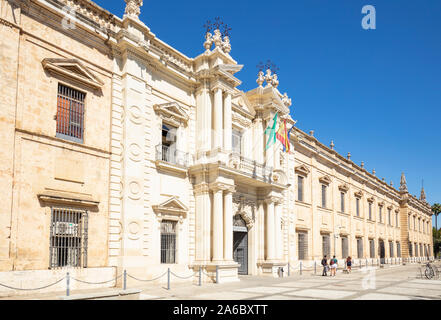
x=376 y=93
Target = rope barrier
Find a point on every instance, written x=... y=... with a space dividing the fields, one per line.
x=184 y=277
x=3 y=285
x=147 y=280
x=82 y=281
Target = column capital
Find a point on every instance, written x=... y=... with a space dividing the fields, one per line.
x=201 y=188
x=273 y=199
x=217 y=87
x=220 y=186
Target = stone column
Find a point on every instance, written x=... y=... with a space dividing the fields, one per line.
x=258 y=148
x=218 y=234
x=270 y=228
x=276 y=154
x=202 y=223
x=217 y=121
x=203 y=118
x=269 y=160
x=228 y=225
x=227 y=122
x=278 y=230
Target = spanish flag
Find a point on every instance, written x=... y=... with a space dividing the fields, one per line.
x=282 y=136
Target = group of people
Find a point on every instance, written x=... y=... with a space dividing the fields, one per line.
x=333 y=264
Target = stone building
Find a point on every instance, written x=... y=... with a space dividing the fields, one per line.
x=56 y=89
x=149 y=160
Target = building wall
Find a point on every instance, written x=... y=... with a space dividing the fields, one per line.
x=36 y=161
x=321 y=161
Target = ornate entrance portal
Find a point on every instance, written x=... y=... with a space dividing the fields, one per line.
x=240 y=244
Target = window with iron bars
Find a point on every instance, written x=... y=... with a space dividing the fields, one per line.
x=68 y=238
x=359 y=248
x=70 y=114
x=168 y=242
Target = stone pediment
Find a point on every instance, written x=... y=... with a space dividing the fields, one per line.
x=325 y=180
x=172 y=113
x=358 y=194
x=172 y=206
x=73 y=69
x=241 y=100
x=344 y=187
x=267 y=99
x=231 y=68
x=302 y=169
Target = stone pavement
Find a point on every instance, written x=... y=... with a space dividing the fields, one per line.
x=389 y=283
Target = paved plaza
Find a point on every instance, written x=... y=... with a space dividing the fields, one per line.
x=389 y=283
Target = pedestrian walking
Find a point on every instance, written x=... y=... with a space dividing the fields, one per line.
x=349 y=264
x=325 y=266
x=334 y=265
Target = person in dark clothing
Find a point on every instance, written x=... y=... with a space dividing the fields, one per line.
x=325 y=266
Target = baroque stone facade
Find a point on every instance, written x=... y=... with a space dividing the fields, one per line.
x=172 y=169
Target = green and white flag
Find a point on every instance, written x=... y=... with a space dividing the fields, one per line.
x=271 y=131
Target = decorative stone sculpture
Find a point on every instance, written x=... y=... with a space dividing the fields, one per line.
x=217 y=38
x=268 y=77
x=403 y=183
x=260 y=78
x=208 y=41
x=423 y=195
x=286 y=100
x=275 y=81
x=133 y=8
x=226 y=46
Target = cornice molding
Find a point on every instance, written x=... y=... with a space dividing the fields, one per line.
x=73 y=69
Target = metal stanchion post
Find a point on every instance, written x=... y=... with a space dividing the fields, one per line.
x=217 y=274
x=315 y=267
x=200 y=276
x=289 y=267
x=168 y=279
x=67 y=284
x=300 y=267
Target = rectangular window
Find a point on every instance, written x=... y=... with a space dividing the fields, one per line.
x=342 y=201
x=70 y=114
x=396 y=222
x=359 y=248
x=357 y=206
x=68 y=238
x=380 y=213
x=168 y=152
x=370 y=210
x=237 y=141
x=398 y=250
x=323 y=196
x=300 y=180
x=168 y=241
x=414 y=223
x=326 y=245
x=344 y=247
x=372 y=248
x=302 y=245
x=391 y=249
x=389 y=217
x=410 y=249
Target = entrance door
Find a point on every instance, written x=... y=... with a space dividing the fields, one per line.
x=240 y=250
x=382 y=251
